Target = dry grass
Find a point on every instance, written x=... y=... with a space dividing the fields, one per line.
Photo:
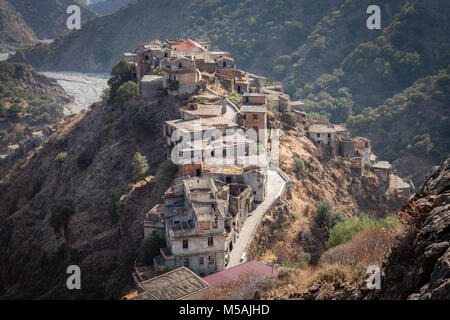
x=367 y=247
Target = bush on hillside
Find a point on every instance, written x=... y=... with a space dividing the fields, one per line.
x=126 y=92
x=299 y=165
x=344 y=231
x=61 y=212
x=234 y=98
x=327 y=216
x=84 y=160
x=150 y=248
x=140 y=166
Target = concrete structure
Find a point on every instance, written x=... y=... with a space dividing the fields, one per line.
x=181 y=76
x=324 y=136
x=151 y=86
x=202 y=111
x=12 y=149
x=201 y=219
x=382 y=169
x=363 y=148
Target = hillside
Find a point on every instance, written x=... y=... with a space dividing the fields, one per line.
x=412 y=127
x=29 y=102
x=15 y=32
x=289 y=229
x=23 y=23
x=320 y=50
x=88 y=163
x=109 y=6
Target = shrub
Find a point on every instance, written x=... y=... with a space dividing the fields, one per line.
x=2 y=108
x=127 y=91
x=344 y=231
x=173 y=85
x=164 y=176
x=140 y=166
x=142 y=123
x=157 y=71
x=60 y=140
x=121 y=73
x=326 y=216
x=60 y=158
x=150 y=248
x=366 y=248
x=13 y=112
x=84 y=160
x=234 y=98
x=61 y=213
x=299 y=165
x=114 y=203
x=289 y=118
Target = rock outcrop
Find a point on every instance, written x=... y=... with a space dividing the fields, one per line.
x=419 y=265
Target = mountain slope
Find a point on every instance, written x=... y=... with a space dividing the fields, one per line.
x=48 y=18
x=98 y=147
x=14 y=30
x=109 y=6
x=412 y=128
x=23 y=22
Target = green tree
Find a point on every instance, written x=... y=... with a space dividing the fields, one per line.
x=343 y=232
x=150 y=248
x=299 y=165
x=234 y=98
x=142 y=123
x=326 y=216
x=2 y=108
x=60 y=158
x=61 y=212
x=121 y=73
x=126 y=92
x=13 y=112
x=84 y=160
x=140 y=166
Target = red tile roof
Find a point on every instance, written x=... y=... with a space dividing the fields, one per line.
x=252 y=268
x=187 y=45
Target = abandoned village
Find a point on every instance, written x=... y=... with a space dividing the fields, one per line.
x=210 y=213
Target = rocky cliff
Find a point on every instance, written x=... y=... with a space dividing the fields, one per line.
x=416 y=263
x=419 y=264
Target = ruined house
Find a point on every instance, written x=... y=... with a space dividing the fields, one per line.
x=181 y=76
x=323 y=136
x=382 y=169
x=202 y=111
x=178 y=284
x=151 y=86
x=363 y=148
x=201 y=219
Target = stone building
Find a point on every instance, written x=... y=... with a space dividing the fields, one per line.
x=323 y=135
x=181 y=76
x=363 y=148
x=151 y=86
x=201 y=219
x=382 y=169
x=178 y=284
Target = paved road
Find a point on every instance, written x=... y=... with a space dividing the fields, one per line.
x=275 y=184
